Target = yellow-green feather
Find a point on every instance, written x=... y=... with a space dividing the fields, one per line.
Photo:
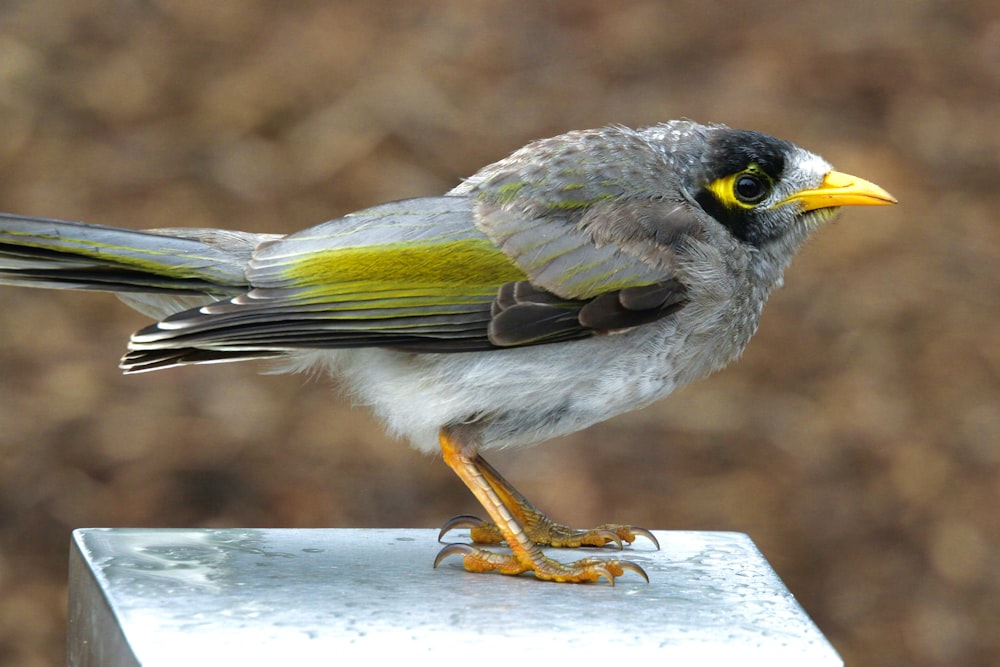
x=508 y=192
x=450 y=272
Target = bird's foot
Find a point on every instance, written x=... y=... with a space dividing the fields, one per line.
x=543 y=531
x=475 y=559
x=522 y=526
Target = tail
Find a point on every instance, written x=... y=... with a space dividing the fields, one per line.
x=157 y=272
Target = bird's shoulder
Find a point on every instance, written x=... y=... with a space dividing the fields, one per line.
x=560 y=176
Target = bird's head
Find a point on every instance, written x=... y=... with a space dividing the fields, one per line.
x=763 y=190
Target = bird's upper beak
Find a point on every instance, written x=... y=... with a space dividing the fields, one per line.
x=840 y=189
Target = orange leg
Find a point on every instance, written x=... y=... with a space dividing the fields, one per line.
x=540 y=528
x=506 y=508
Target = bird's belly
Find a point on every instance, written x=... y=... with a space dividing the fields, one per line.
x=519 y=396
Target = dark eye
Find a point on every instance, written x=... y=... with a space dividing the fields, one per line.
x=749 y=188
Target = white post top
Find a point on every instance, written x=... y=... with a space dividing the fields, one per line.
x=322 y=597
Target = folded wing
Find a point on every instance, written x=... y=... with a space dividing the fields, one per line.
x=416 y=275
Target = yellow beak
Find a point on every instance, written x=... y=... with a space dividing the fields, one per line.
x=839 y=189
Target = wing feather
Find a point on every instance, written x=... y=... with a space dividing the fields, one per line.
x=456 y=273
x=408 y=273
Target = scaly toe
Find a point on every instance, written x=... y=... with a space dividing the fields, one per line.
x=475 y=559
x=628 y=533
x=597 y=537
x=586 y=570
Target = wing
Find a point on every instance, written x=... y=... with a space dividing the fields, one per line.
x=425 y=275
x=404 y=274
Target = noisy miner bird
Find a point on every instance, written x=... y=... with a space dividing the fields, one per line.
x=581 y=277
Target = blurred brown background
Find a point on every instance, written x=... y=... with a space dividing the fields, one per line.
x=856 y=441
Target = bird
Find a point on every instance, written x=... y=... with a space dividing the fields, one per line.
x=583 y=276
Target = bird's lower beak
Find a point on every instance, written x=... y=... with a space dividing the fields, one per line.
x=839 y=189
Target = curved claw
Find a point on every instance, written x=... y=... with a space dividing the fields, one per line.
x=629 y=565
x=457 y=548
x=460 y=521
x=636 y=530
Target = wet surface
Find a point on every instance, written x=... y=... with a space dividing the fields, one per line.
x=252 y=596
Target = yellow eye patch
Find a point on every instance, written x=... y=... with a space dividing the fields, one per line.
x=744 y=189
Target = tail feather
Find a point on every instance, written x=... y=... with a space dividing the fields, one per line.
x=157 y=272
x=40 y=252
